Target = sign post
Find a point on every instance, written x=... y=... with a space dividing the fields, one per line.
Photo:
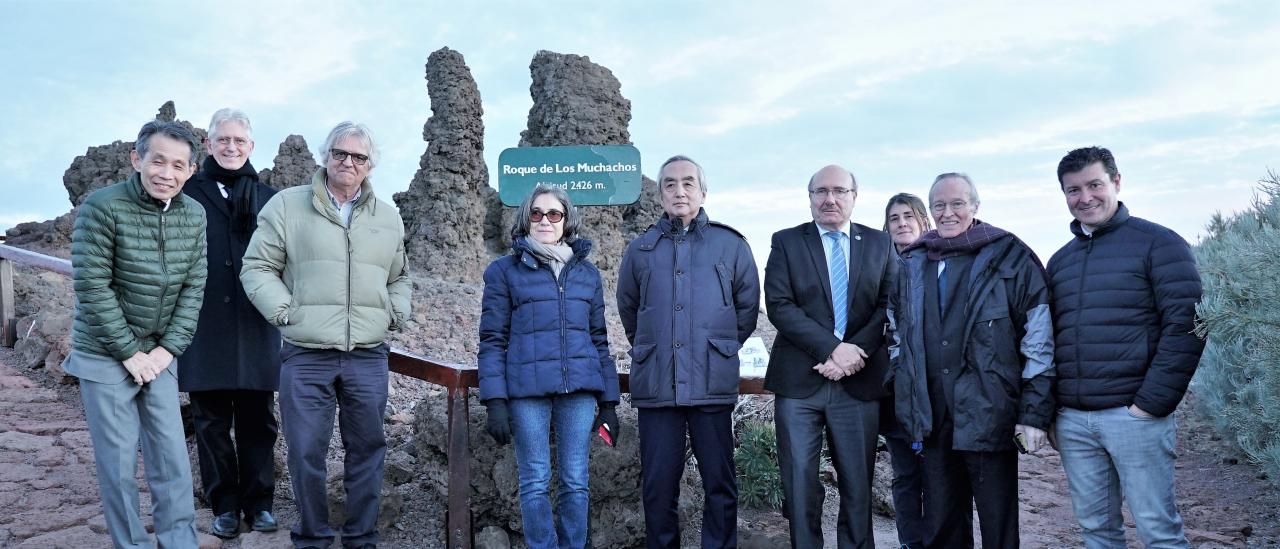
x=593 y=175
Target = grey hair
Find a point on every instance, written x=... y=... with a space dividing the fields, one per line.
x=228 y=114
x=350 y=129
x=702 y=176
x=973 y=189
x=572 y=220
x=172 y=130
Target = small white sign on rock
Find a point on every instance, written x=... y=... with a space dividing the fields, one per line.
x=753 y=357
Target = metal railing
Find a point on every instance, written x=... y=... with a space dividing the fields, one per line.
x=455 y=379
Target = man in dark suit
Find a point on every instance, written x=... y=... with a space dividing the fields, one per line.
x=826 y=287
x=232 y=368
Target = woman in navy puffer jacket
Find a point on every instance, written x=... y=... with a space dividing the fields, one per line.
x=545 y=363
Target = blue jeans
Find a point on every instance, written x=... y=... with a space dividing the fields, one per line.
x=1107 y=452
x=532 y=419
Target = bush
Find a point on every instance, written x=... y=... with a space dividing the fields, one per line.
x=1238 y=381
x=759 y=480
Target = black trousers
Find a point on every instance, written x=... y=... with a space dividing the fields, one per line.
x=235 y=437
x=662 y=450
x=850 y=426
x=908 y=492
x=954 y=481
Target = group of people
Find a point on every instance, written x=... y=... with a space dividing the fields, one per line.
x=954 y=342
x=257 y=291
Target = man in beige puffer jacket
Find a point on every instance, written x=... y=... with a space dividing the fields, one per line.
x=327 y=266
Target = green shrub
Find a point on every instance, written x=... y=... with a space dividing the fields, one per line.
x=759 y=481
x=1238 y=381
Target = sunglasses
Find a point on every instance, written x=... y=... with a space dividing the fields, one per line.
x=554 y=216
x=341 y=156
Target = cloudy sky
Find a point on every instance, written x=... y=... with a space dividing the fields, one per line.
x=763 y=93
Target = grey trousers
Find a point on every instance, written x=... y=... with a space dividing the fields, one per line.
x=119 y=413
x=313 y=382
x=850 y=427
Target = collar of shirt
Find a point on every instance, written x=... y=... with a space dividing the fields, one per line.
x=826 y=242
x=223 y=189
x=822 y=231
x=334 y=199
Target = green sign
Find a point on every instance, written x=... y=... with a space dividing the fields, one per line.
x=593 y=175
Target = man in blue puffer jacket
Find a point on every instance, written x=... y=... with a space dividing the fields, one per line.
x=688 y=296
x=1124 y=293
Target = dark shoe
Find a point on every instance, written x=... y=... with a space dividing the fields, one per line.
x=264 y=522
x=226 y=525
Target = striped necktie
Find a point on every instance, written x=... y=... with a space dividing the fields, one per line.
x=838 y=267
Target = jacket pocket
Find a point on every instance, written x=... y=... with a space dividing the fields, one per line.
x=393 y=322
x=722 y=366
x=726 y=283
x=642 y=279
x=644 y=384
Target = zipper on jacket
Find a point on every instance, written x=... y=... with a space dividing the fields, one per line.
x=1084 y=270
x=164 y=277
x=346 y=231
x=564 y=361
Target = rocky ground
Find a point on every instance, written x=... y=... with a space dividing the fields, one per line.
x=48 y=489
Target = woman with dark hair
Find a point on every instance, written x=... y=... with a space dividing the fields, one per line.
x=905 y=219
x=545 y=363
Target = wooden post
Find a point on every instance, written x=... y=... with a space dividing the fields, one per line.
x=459 y=471
x=8 y=320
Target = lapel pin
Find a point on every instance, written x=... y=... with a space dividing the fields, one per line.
x=857 y=237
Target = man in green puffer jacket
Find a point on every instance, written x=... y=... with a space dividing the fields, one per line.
x=327 y=265
x=138 y=253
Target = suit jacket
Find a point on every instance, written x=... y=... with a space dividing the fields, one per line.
x=797 y=289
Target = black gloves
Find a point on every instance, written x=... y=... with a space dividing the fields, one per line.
x=499 y=422
x=606 y=416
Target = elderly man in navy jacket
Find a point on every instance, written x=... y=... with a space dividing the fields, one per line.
x=688 y=295
x=974 y=370
x=1124 y=293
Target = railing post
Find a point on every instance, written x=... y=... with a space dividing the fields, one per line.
x=8 y=320
x=459 y=470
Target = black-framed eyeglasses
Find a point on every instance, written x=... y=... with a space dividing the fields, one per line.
x=554 y=216
x=341 y=156
x=837 y=192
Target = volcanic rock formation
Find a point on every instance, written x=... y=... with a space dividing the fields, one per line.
x=446 y=208
x=577 y=102
x=294 y=164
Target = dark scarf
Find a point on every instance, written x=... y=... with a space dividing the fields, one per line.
x=979 y=234
x=242 y=188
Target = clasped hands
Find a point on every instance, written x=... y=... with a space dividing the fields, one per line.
x=847 y=359
x=145 y=367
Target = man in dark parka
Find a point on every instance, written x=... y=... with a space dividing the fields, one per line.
x=974 y=366
x=232 y=368
x=688 y=297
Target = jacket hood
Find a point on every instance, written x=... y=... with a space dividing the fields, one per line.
x=667 y=227
x=320 y=194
